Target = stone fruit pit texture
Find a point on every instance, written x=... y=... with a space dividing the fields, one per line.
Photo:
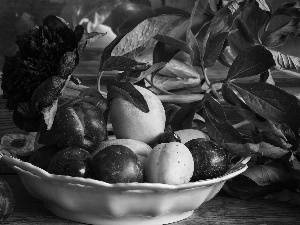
x=129 y=122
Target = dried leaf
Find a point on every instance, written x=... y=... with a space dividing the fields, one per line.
x=285 y=61
x=49 y=114
x=172 y=83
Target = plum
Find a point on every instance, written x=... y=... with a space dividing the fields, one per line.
x=42 y=156
x=210 y=159
x=116 y=164
x=79 y=125
x=72 y=161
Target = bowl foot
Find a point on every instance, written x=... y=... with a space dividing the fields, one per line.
x=102 y=219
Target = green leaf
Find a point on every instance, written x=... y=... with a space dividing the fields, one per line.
x=127 y=91
x=179 y=44
x=219 y=128
x=163 y=52
x=183 y=118
x=213 y=48
x=220 y=27
x=263 y=4
x=146 y=30
x=264 y=174
x=106 y=54
x=247 y=27
x=122 y=63
x=247 y=63
x=270 y=102
x=278 y=37
x=291 y=9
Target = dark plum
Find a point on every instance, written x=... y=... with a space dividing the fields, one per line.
x=42 y=156
x=72 y=161
x=116 y=164
x=210 y=159
x=80 y=124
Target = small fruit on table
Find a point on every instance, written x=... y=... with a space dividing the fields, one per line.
x=7 y=200
x=116 y=164
x=129 y=122
x=210 y=159
x=72 y=161
x=169 y=163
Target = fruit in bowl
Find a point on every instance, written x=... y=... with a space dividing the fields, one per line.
x=169 y=163
x=116 y=164
x=79 y=124
x=129 y=122
x=210 y=159
x=72 y=161
x=141 y=149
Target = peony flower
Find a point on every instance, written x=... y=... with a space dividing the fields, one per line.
x=34 y=78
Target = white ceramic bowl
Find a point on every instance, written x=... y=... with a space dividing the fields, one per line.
x=95 y=202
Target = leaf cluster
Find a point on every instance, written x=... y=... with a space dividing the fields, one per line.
x=250 y=38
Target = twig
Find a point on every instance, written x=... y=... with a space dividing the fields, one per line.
x=157 y=88
x=240 y=124
x=98 y=80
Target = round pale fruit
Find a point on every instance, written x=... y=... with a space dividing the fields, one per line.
x=129 y=122
x=189 y=134
x=169 y=163
x=116 y=164
x=210 y=159
x=141 y=149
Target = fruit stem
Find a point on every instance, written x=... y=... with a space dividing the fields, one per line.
x=98 y=80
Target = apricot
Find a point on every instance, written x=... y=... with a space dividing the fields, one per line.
x=129 y=122
x=169 y=163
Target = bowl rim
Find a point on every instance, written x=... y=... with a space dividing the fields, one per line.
x=20 y=167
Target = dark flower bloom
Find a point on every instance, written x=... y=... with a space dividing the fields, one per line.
x=51 y=50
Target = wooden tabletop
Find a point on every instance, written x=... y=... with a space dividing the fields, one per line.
x=222 y=209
